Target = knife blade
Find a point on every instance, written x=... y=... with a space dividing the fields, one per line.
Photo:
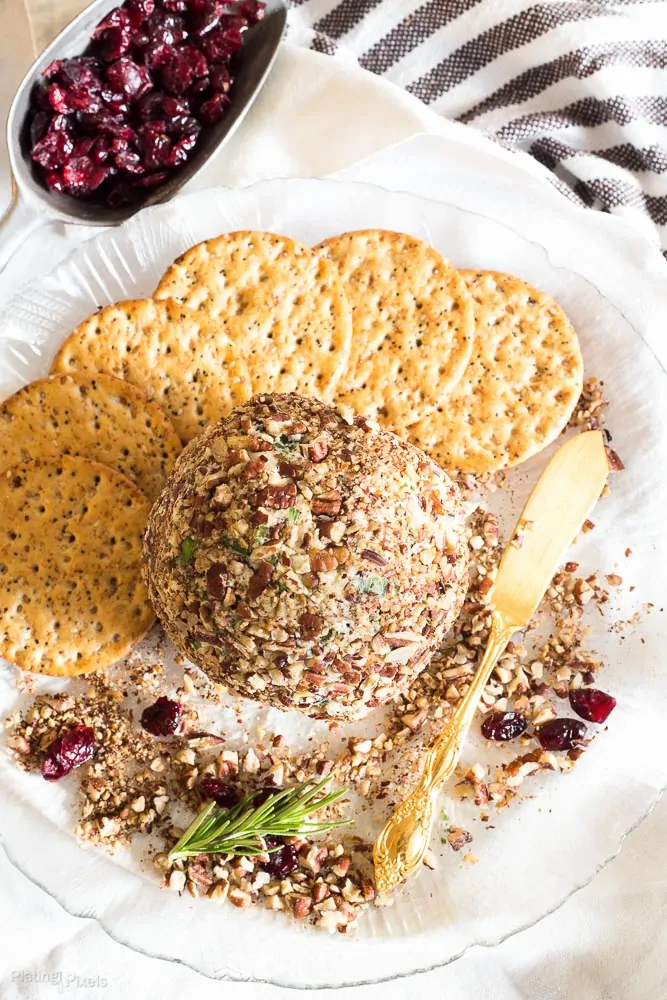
x=561 y=501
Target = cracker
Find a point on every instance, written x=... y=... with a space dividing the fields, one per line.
x=281 y=305
x=412 y=324
x=95 y=416
x=520 y=387
x=179 y=358
x=71 y=595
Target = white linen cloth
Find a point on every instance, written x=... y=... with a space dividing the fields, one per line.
x=608 y=941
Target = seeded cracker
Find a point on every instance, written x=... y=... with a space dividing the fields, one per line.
x=412 y=320
x=181 y=359
x=95 y=416
x=281 y=305
x=520 y=387
x=71 y=596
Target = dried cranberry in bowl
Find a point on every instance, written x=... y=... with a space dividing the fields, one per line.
x=167 y=62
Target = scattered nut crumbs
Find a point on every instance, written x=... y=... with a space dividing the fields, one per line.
x=134 y=780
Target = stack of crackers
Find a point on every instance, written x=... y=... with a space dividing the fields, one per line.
x=478 y=368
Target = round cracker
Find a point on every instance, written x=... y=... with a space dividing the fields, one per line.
x=413 y=324
x=96 y=416
x=520 y=387
x=71 y=595
x=281 y=305
x=179 y=358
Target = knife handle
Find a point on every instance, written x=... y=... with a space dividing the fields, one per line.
x=442 y=758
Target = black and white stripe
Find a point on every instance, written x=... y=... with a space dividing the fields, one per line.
x=581 y=85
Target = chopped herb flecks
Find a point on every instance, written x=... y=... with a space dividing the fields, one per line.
x=234 y=545
x=188 y=549
x=370 y=585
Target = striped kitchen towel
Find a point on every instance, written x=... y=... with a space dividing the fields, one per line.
x=581 y=85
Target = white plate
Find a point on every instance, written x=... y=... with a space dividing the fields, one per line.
x=541 y=850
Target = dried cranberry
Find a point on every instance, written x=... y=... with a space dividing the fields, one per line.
x=220 y=78
x=205 y=15
x=175 y=5
x=592 y=704
x=155 y=106
x=283 y=859
x=198 y=89
x=165 y=29
x=129 y=77
x=54 y=181
x=176 y=75
x=83 y=146
x=162 y=718
x=561 y=734
x=157 y=54
x=39 y=126
x=105 y=123
x=54 y=150
x=138 y=11
x=116 y=103
x=154 y=145
x=101 y=149
x=129 y=162
x=82 y=71
x=503 y=725
x=59 y=99
x=114 y=34
x=221 y=793
x=119 y=144
x=219 y=45
x=252 y=9
x=81 y=175
x=70 y=750
x=118 y=17
x=180 y=151
x=212 y=110
x=195 y=59
x=52 y=69
x=181 y=125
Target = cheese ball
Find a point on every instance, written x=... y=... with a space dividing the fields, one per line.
x=305 y=559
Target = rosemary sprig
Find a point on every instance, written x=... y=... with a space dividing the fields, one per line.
x=241 y=829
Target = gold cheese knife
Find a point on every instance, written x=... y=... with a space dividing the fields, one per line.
x=556 y=509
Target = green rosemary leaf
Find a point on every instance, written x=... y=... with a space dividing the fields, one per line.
x=241 y=830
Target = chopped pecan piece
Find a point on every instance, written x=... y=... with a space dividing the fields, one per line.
x=289 y=470
x=277 y=497
x=253 y=469
x=373 y=557
x=260 y=580
x=301 y=906
x=311 y=625
x=615 y=463
x=259 y=444
x=328 y=503
x=458 y=838
x=216 y=581
x=317 y=451
x=322 y=561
